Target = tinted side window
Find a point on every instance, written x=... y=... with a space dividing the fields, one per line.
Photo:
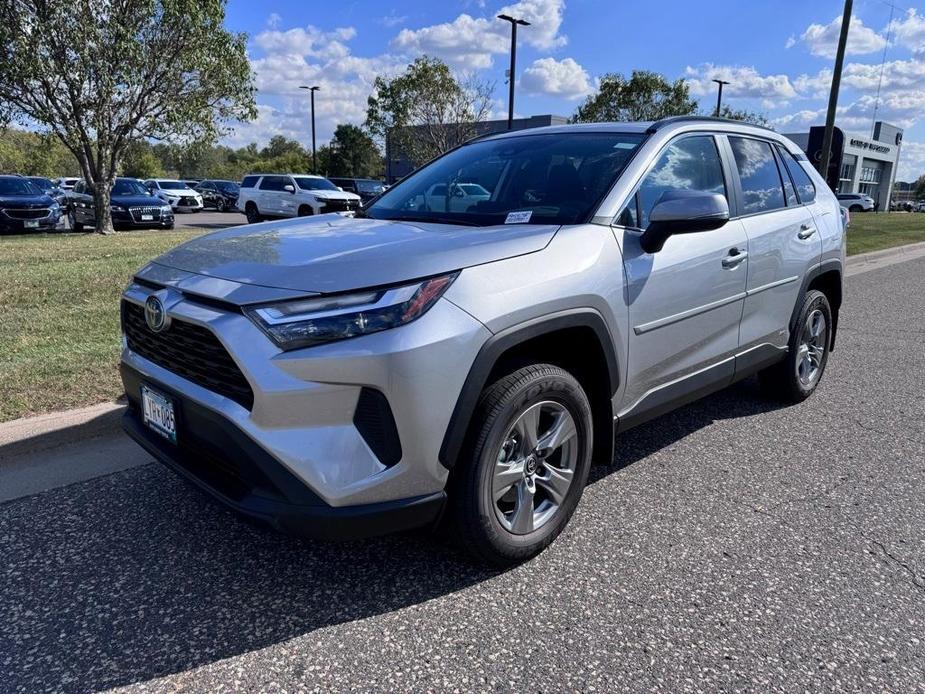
x=761 y=183
x=691 y=163
x=79 y=187
x=249 y=181
x=788 y=184
x=273 y=183
x=805 y=188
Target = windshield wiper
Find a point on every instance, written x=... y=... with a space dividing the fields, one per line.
x=434 y=220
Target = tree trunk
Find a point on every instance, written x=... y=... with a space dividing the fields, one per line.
x=101 y=191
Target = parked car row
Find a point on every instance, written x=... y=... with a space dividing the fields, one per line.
x=131 y=205
x=24 y=206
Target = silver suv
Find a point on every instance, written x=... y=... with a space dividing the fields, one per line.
x=424 y=362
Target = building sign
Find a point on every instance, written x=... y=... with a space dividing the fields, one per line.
x=873 y=146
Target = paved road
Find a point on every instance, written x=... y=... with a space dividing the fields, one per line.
x=731 y=546
x=207 y=219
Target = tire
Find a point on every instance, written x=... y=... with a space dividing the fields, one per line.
x=220 y=205
x=252 y=213
x=305 y=211
x=796 y=377
x=501 y=529
x=75 y=225
x=169 y=227
x=855 y=208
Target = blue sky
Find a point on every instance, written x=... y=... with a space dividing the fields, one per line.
x=777 y=55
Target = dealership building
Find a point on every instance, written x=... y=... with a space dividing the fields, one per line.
x=859 y=164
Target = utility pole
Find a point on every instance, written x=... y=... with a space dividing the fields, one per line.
x=314 y=160
x=719 y=96
x=510 y=98
x=833 y=93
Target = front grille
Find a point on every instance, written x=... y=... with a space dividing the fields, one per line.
x=338 y=206
x=31 y=213
x=187 y=202
x=188 y=350
x=137 y=213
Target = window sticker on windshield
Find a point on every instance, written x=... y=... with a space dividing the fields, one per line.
x=518 y=217
x=625 y=145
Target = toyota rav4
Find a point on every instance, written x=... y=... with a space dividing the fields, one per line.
x=427 y=362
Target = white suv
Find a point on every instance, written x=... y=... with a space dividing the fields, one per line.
x=271 y=196
x=177 y=194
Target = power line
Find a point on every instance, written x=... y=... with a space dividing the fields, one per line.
x=886 y=45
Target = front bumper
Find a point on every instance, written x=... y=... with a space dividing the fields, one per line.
x=184 y=204
x=15 y=226
x=219 y=459
x=305 y=406
x=128 y=219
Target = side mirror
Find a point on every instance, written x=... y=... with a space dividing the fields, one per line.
x=683 y=212
x=289 y=188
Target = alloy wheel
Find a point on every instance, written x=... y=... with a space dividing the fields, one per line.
x=535 y=467
x=811 y=351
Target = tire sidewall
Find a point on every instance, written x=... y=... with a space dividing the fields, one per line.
x=566 y=392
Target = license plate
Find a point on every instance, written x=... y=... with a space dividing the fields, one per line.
x=147 y=217
x=30 y=224
x=158 y=413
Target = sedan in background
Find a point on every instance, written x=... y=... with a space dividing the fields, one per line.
x=66 y=183
x=177 y=194
x=25 y=207
x=221 y=195
x=50 y=188
x=130 y=203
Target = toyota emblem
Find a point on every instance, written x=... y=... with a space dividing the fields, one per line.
x=156 y=314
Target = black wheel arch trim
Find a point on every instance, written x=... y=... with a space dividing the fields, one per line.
x=501 y=342
x=822 y=268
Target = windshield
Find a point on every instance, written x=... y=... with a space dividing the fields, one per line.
x=545 y=178
x=311 y=183
x=125 y=186
x=173 y=185
x=43 y=183
x=370 y=186
x=226 y=186
x=18 y=186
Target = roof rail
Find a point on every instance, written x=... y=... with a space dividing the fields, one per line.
x=671 y=120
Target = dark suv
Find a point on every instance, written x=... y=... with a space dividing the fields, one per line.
x=366 y=188
x=131 y=204
x=24 y=207
x=222 y=195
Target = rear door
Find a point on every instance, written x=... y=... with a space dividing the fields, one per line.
x=782 y=244
x=270 y=195
x=685 y=301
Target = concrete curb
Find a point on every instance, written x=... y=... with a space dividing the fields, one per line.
x=42 y=432
x=874 y=260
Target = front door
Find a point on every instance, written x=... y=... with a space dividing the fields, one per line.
x=685 y=301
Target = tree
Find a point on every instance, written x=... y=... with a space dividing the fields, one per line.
x=744 y=116
x=353 y=153
x=98 y=75
x=140 y=161
x=32 y=154
x=426 y=111
x=919 y=187
x=645 y=96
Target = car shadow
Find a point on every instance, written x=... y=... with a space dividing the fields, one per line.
x=137 y=576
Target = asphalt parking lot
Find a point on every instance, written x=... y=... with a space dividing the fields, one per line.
x=207 y=220
x=732 y=545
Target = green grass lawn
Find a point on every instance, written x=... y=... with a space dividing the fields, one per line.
x=59 y=307
x=59 y=315
x=874 y=231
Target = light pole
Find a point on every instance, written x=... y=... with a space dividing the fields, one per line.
x=833 y=93
x=510 y=98
x=719 y=96
x=313 y=90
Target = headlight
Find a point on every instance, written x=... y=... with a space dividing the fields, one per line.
x=307 y=322
x=166 y=209
x=116 y=208
x=55 y=208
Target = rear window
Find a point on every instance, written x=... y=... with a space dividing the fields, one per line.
x=250 y=181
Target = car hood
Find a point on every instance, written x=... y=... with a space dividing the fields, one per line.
x=333 y=253
x=180 y=193
x=137 y=200
x=334 y=195
x=25 y=200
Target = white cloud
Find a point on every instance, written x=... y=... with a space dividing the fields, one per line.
x=392 y=20
x=471 y=43
x=909 y=31
x=744 y=82
x=911 y=161
x=822 y=39
x=308 y=41
x=562 y=78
